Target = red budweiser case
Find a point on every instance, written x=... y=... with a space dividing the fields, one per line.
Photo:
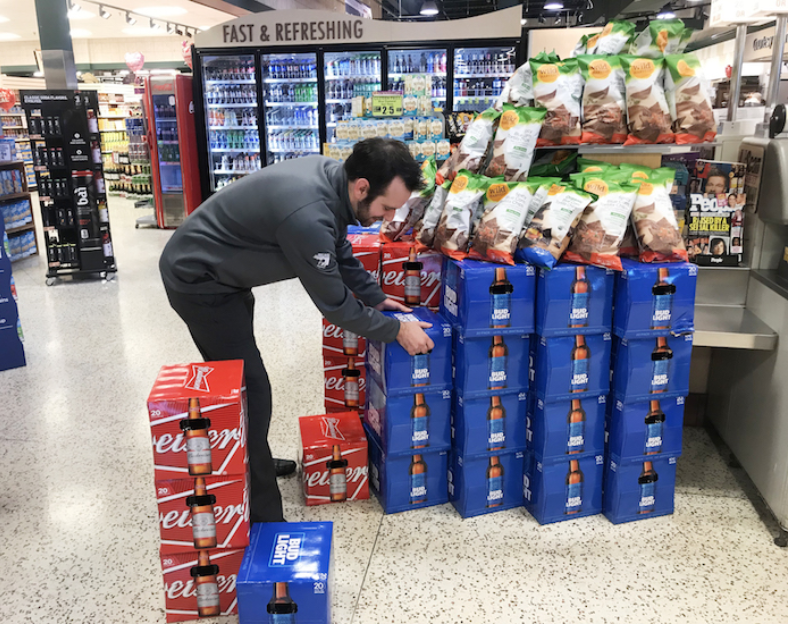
x=335 y=345
x=345 y=382
x=203 y=512
x=198 y=420
x=366 y=247
x=333 y=458
x=395 y=277
x=200 y=583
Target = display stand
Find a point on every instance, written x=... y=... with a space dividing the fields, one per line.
x=72 y=192
x=17 y=211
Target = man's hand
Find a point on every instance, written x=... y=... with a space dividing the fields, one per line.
x=391 y=304
x=413 y=338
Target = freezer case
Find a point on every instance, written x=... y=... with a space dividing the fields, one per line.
x=176 y=174
x=290 y=106
x=480 y=74
x=347 y=75
x=427 y=61
x=231 y=119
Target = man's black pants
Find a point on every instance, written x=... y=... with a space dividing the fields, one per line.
x=222 y=329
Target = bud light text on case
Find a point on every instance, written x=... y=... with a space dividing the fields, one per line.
x=450 y=301
x=578 y=310
x=287 y=548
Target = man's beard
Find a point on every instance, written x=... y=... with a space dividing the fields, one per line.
x=362 y=213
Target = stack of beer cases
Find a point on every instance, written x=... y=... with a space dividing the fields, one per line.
x=334 y=460
x=12 y=354
x=287 y=574
x=345 y=374
x=409 y=276
x=407 y=417
x=570 y=380
x=491 y=308
x=653 y=325
x=198 y=425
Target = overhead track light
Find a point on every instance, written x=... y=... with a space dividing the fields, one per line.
x=542 y=20
x=73 y=6
x=666 y=13
x=178 y=31
x=104 y=13
x=154 y=25
x=554 y=5
x=170 y=28
x=130 y=19
x=429 y=8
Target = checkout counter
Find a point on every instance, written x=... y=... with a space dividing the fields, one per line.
x=740 y=314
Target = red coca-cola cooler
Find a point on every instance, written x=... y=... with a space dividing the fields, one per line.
x=173 y=148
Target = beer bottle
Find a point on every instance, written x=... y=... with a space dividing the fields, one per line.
x=412 y=270
x=337 y=476
x=203 y=519
x=198 y=445
x=494 y=483
x=498 y=355
x=655 y=422
x=207 y=588
x=648 y=488
x=580 y=357
x=496 y=429
x=660 y=366
x=418 y=480
x=281 y=608
x=663 y=292
x=578 y=301
x=420 y=369
x=501 y=299
x=574 y=488
x=577 y=425
x=419 y=422
x=349 y=343
x=351 y=376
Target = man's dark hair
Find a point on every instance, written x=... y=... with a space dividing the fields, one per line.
x=380 y=161
x=717 y=173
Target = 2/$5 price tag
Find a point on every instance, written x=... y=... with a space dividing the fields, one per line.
x=386 y=104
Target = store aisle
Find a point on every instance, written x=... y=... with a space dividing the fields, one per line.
x=79 y=537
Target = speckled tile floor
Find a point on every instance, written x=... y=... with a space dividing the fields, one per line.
x=79 y=536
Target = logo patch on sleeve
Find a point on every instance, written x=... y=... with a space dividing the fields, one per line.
x=322 y=260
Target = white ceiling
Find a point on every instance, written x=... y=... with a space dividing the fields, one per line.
x=18 y=19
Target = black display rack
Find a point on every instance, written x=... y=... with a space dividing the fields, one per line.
x=66 y=147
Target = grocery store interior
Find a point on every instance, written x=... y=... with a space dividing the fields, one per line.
x=179 y=100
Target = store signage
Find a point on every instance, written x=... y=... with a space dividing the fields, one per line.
x=305 y=28
x=386 y=104
x=759 y=46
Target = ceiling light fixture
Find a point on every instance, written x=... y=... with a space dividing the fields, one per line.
x=130 y=19
x=154 y=25
x=666 y=13
x=429 y=8
x=170 y=28
x=554 y=5
x=73 y=6
x=542 y=20
x=523 y=21
x=104 y=13
x=557 y=20
x=189 y=34
x=179 y=31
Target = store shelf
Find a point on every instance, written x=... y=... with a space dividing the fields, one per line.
x=731 y=327
x=167 y=119
x=160 y=142
x=223 y=172
x=114 y=117
x=232 y=127
x=170 y=164
x=114 y=130
x=294 y=150
x=270 y=127
x=22 y=228
x=235 y=150
x=21 y=140
x=400 y=74
x=14 y=127
x=662 y=148
x=288 y=80
x=12 y=114
x=230 y=82
x=246 y=105
x=5 y=198
x=340 y=101
x=493 y=75
x=274 y=104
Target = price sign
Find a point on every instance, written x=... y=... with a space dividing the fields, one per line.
x=386 y=104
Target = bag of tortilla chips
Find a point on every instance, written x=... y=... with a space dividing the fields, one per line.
x=647 y=109
x=515 y=141
x=688 y=100
x=558 y=87
x=604 y=100
x=459 y=216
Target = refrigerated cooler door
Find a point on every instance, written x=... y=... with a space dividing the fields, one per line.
x=480 y=75
x=172 y=208
x=290 y=106
x=429 y=61
x=347 y=75
x=231 y=116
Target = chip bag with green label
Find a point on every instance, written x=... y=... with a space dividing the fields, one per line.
x=688 y=99
x=597 y=237
x=408 y=215
x=515 y=141
x=424 y=229
x=460 y=213
x=547 y=236
x=505 y=210
x=472 y=152
x=647 y=108
x=658 y=234
x=614 y=38
x=558 y=87
x=661 y=37
x=604 y=99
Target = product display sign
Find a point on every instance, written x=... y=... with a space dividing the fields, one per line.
x=386 y=104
